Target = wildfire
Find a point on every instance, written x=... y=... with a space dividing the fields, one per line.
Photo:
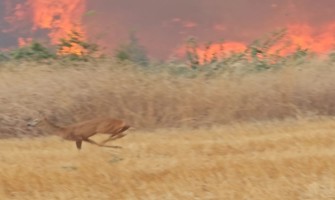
x=316 y=39
x=59 y=17
x=219 y=50
x=24 y=41
x=63 y=17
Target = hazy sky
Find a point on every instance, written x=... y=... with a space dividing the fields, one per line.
x=163 y=25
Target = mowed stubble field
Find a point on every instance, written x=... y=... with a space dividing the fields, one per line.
x=269 y=160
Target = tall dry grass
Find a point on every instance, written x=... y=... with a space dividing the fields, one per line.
x=154 y=100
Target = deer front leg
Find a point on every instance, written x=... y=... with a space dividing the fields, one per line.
x=78 y=144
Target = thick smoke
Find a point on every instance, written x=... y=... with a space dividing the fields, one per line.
x=163 y=25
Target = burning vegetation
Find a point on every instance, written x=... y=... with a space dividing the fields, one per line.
x=55 y=19
x=65 y=23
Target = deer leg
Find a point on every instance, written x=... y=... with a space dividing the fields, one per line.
x=120 y=135
x=112 y=137
x=116 y=135
x=91 y=141
x=101 y=145
x=78 y=144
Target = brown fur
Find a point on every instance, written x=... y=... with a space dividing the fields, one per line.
x=81 y=131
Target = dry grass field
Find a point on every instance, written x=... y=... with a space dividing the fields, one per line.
x=291 y=159
x=268 y=135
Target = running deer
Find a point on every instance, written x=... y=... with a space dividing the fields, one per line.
x=81 y=131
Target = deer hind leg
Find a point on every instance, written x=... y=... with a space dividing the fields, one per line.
x=90 y=141
x=118 y=134
x=100 y=145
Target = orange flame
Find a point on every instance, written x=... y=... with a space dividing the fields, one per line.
x=24 y=41
x=60 y=17
x=219 y=50
x=317 y=39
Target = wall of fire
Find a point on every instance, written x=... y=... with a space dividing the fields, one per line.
x=163 y=26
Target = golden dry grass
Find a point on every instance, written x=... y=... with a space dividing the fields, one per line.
x=270 y=160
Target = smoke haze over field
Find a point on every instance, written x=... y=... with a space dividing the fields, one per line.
x=163 y=26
